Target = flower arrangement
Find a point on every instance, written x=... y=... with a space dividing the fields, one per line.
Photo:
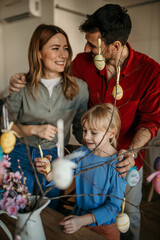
x=14 y=196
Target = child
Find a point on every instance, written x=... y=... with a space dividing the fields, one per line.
x=101 y=125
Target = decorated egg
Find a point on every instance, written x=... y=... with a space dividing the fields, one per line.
x=156 y=183
x=7 y=141
x=99 y=62
x=62 y=173
x=123 y=222
x=155 y=176
x=132 y=177
x=117 y=92
x=157 y=163
x=48 y=165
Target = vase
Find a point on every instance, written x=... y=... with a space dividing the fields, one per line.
x=29 y=225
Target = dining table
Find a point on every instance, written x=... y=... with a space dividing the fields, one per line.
x=53 y=231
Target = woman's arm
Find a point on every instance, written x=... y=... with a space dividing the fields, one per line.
x=45 y=131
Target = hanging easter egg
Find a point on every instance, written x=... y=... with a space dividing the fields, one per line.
x=123 y=222
x=117 y=92
x=48 y=165
x=46 y=160
x=157 y=163
x=155 y=176
x=99 y=62
x=132 y=177
x=156 y=183
x=7 y=141
x=62 y=173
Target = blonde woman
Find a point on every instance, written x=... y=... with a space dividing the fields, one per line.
x=51 y=93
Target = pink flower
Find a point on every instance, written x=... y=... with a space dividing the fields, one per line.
x=6 y=157
x=7 y=178
x=6 y=163
x=12 y=210
x=21 y=201
x=17 y=175
x=3 y=202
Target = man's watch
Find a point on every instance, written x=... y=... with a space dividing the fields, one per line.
x=133 y=151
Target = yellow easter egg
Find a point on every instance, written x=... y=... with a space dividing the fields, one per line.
x=119 y=92
x=48 y=166
x=123 y=222
x=7 y=142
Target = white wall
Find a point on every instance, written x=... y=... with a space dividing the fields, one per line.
x=14 y=40
x=71 y=21
x=145 y=35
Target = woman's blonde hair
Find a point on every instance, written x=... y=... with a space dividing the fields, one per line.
x=40 y=37
x=101 y=117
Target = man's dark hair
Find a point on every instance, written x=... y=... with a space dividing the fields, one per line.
x=112 y=21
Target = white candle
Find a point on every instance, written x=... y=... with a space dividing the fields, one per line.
x=60 y=126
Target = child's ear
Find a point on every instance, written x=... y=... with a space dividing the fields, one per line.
x=113 y=132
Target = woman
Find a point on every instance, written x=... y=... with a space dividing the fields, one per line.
x=51 y=93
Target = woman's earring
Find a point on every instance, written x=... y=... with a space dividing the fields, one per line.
x=99 y=60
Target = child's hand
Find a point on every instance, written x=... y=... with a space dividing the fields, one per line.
x=71 y=223
x=42 y=164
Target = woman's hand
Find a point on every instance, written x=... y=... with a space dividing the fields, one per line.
x=17 y=81
x=71 y=223
x=46 y=131
x=125 y=164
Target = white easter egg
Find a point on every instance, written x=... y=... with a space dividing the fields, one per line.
x=132 y=177
x=123 y=222
x=62 y=173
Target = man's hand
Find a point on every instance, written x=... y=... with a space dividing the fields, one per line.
x=17 y=81
x=71 y=223
x=126 y=162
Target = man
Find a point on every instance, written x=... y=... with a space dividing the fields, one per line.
x=139 y=106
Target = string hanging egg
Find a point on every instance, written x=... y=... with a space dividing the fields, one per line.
x=8 y=139
x=46 y=160
x=117 y=92
x=99 y=60
x=122 y=220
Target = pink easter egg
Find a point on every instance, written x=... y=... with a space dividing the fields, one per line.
x=156 y=183
x=157 y=163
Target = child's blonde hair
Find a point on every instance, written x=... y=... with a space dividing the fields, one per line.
x=101 y=116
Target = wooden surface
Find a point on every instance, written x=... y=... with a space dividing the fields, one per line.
x=53 y=230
